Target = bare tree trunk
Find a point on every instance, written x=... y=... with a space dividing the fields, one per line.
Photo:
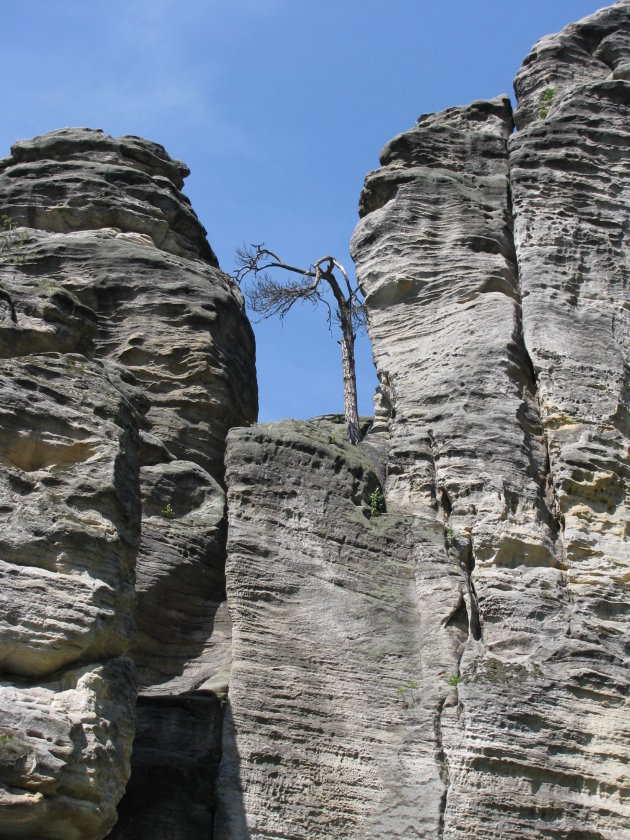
x=270 y=297
x=351 y=410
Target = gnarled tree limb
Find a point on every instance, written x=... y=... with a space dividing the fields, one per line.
x=267 y=296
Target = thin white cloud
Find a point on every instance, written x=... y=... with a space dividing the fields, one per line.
x=148 y=67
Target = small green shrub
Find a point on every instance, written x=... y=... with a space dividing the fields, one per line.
x=13 y=747
x=167 y=511
x=547 y=98
x=377 y=503
x=11 y=241
x=454 y=679
x=405 y=692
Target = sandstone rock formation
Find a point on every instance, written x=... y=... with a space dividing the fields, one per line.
x=425 y=635
x=126 y=358
x=457 y=666
x=338 y=673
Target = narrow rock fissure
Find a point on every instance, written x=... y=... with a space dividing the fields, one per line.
x=5 y=296
x=469 y=565
x=443 y=768
x=445 y=501
x=439 y=496
x=466 y=561
x=529 y=415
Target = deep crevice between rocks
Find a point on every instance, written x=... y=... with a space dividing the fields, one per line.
x=466 y=562
x=443 y=767
x=469 y=565
x=529 y=415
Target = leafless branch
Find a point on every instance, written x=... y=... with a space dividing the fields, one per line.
x=252 y=259
x=267 y=296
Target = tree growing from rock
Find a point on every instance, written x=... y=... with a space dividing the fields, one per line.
x=276 y=286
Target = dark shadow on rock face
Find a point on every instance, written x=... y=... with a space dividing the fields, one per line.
x=183 y=632
x=171 y=794
x=176 y=620
x=230 y=822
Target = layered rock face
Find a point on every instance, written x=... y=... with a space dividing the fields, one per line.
x=516 y=429
x=457 y=665
x=341 y=668
x=127 y=357
x=427 y=633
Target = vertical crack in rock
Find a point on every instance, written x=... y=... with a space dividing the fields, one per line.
x=468 y=562
x=459 y=547
x=332 y=689
x=502 y=428
x=574 y=274
x=444 y=768
x=570 y=184
x=530 y=416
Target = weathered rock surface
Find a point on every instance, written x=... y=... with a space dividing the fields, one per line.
x=70 y=514
x=511 y=421
x=452 y=663
x=338 y=670
x=589 y=51
x=183 y=627
x=65 y=747
x=494 y=591
x=82 y=179
x=571 y=229
x=133 y=359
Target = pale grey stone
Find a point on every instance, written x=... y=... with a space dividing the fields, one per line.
x=70 y=514
x=65 y=747
x=183 y=626
x=347 y=629
x=582 y=53
x=126 y=357
x=454 y=665
x=82 y=179
x=495 y=271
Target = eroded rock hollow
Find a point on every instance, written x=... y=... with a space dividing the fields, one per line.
x=426 y=635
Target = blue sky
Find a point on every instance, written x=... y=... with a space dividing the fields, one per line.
x=279 y=107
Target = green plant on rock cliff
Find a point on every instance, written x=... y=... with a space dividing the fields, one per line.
x=11 y=241
x=547 y=98
x=377 y=503
x=12 y=747
x=167 y=511
x=405 y=692
x=450 y=536
x=454 y=679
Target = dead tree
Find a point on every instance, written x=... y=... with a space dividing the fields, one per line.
x=267 y=296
